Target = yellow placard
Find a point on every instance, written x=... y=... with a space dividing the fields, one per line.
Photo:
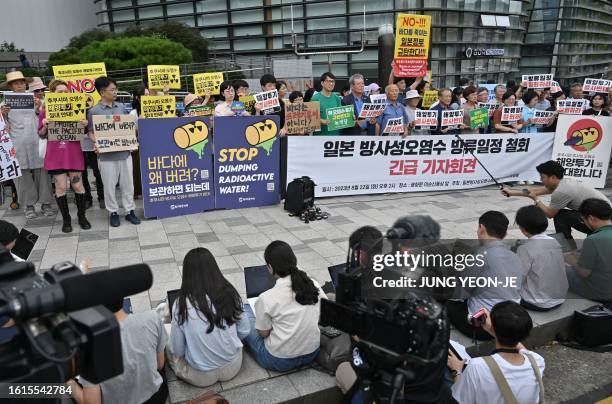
x=65 y=107
x=158 y=107
x=81 y=79
x=249 y=102
x=162 y=75
x=412 y=36
x=429 y=97
x=207 y=81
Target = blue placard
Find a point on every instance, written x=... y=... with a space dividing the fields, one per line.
x=176 y=166
x=247 y=161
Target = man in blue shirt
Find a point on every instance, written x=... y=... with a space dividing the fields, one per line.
x=394 y=109
x=356 y=98
x=445 y=97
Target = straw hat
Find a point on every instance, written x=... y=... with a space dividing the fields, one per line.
x=36 y=84
x=13 y=76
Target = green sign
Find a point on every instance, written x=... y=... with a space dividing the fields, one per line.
x=341 y=117
x=479 y=118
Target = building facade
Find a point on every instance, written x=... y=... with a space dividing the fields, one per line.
x=484 y=40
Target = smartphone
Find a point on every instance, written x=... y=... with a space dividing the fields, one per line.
x=477 y=319
x=24 y=244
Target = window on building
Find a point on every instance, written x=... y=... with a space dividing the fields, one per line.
x=247 y=16
x=249 y=44
x=331 y=8
x=503 y=21
x=181 y=8
x=120 y=3
x=204 y=6
x=488 y=20
x=150 y=12
x=123 y=15
x=207 y=20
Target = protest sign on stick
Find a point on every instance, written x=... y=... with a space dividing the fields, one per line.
x=269 y=101
x=65 y=107
x=81 y=79
x=429 y=98
x=302 y=117
x=394 y=126
x=490 y=106
x=19 y=100
x=426 y=119
x=207 y=81
x=164 y=75
x=596 y=85
x=9 y=166
x=479 y=118
x=511 y=114
x=571 y=107
x=371 y=110
x=411 y=45
x=542 y=118
x=538 y=80
x=158 y=107
x=341 y=117
x=451 y=119
x=115 y=132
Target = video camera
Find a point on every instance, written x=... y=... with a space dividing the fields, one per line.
x=61 y=328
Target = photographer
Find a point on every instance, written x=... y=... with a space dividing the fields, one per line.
x=512 y=374
x=8 y=236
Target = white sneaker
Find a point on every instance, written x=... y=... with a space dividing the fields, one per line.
x=30 y=213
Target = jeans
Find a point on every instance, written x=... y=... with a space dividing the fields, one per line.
x=265 y=359
x=566 y=220
x=580 y=287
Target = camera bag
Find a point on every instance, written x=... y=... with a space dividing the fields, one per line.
x=592 y=326
x=300 y=195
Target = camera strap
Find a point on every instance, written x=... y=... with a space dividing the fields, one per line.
x=505 y=350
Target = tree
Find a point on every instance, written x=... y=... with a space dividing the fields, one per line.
x=96 y=34
x=66 y=56
x=9 y=47
x=135 y=52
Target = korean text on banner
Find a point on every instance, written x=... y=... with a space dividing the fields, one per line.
x=158 y=107
x=451 y=119
x=176 y=166
x=412 y=37
x=490 y=106
x=19 y=100
x=341 y=117
x=65 y=107
x=207 y=81
x=9 y=166
x=247 y=155
x=511 y=114
x=164 y=75
x=429 y=98
x=371 y=110
x=115 y=132
x=596 y=85
x=268 y=101
x=582 y=146
x=65 y=131
x=542 y=118
x=394 y=126
x=479 y=118
x=538 y=80
x=570 y=106
x=81 y=79
x=302 y=117
x=379 y=99
x=425 y=119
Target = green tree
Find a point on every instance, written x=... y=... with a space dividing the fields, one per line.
x=135 y=52
x=89 y=36
x=9 y=47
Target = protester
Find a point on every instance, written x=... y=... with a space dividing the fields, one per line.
x=457 y=99
x=207 y=323
x=444 y=102
x=64 y=161
x=499 y=91
x=544 y=281
x=519 y=369
x=394 y=109
x=228 y=95
x=518 y=93
x=34 y=185
x=470 y=104
x=191 y=101
x=241 y=87
x=482 y=95
x=566 y=197
x=412 y=101
x=284 y=324
x=308 y=94
x=598 y=106
x=356 y=98
x=543 y=103
x=9 y=234
x=115 y=167
x=296 y=97
x=530 y=99
x=281 y=86
x=268 y=83
x=500 y=264
x=327 y=99
x=143 y=339
x=509 y=100
x=374 y=89
x=576 y=93
x=345 y=90
x=552 y=125
x=591 y=273
x=400 y=82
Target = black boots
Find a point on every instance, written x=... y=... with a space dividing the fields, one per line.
x=62 y=203
x=81 y=203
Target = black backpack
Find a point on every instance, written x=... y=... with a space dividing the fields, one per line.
x=300 y=195
x=592 y=326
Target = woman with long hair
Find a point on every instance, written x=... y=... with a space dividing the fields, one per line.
x=598 y=106
x=228 y=96
x=207 y=323
x=285 y=331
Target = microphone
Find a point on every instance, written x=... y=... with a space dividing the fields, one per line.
x=80 y=292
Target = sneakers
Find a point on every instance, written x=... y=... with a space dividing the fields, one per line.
x=132 y=218
x=114 y=220
x=47 y=210
x=30 y=213
x=102 y=204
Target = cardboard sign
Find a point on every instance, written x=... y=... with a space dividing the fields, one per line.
x=9 y=166
x=394 y=126
x=115 y=133
x=511 y=114
x=479 y=118
x=371 y=110
x=65 y=131
x=158 y=107
x=379 y=99
x=341 y=117
x=302 y=117
x=207 y=81
x=425 y=119
x=490 y=106
x=65 y=107
x=249 y=102
x=412 y=37
x=269 y=101
x=164 y=75
x=596 y=85
x=201 y=110
x=538 y=80
x=571 y=107
x=429 y=97
x=451 y=119
x=19 y=100
x=542 y=118
x=81 y=79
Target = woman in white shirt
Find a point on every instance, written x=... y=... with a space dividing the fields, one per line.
x=228 y=96
x=285 y=334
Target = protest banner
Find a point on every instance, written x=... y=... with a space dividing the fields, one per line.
x=341 y=117
x=538 y=80
x=571 y=106
x=81 y=79
x=19 y=100
x=490 y=106
x=542 y=118
x=371 y=110
x=160 y=76
x=207 y=81
x=479 y=118
x=511 y=115
x=378 y=99
x=582 y=146
x=9 y=166
x=65 y=107
x=201 y=110
x=394 y=126
x=65 y=131
x=425 y=119
x=412 y=37
x=176 y=166
x=451 y=119
x=302 y=117
x=3 y=127
x=158 y=106
x=269 y=101
x=415 y=163
x=596 y=86
x=247 y=156
x=555 y=88
x=115 y=132
x=429 y=97
x=249 y=102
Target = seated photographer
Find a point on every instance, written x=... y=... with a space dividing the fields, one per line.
x=207 y=324
x=500 y=266
x=591 y=273
x=544 y=283
x=363 y=243
x=143 y=339
x=284 y=320
x=512 y=374
x=8 y=236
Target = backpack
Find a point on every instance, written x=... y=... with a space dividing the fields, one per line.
x=592 y=326
x=300 y=195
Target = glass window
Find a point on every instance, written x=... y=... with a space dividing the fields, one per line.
x=206 y=20
x=247 y=16
x=123 y=15
x=204 y=6
x=452 y=18
x=140 y=2
x=515 y=7
x=327 y=39
x=372 y=21
x=182 y=8
x=215 y=33
x=471 y=4
x=220 y=45
x=469 y=35
x=334 y=7
x=246 y=3
x=188 y=20
x=247 y=44
x=248 y=30
x=488 y=20
x=121 y=3
x=452 y=34
x=150 y=12
x=326 y=23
